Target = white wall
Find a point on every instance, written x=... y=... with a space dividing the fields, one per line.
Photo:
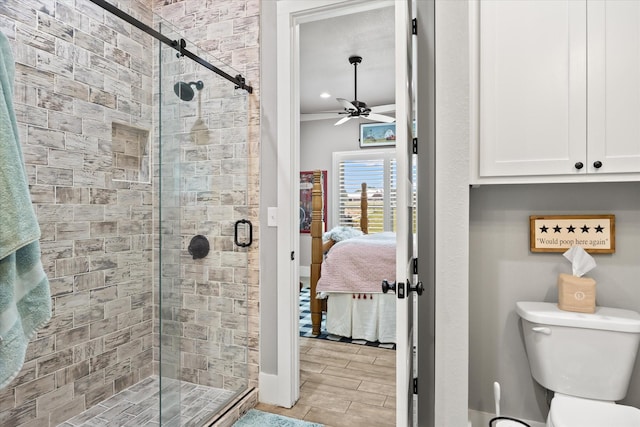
x=451 y=212
x=503 y=271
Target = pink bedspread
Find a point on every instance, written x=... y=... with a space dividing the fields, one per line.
x=359 y=264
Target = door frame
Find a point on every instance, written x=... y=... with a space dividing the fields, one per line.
x=406 y=124
x=452 y=126
x=283 y=389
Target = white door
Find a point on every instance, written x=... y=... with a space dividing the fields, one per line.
x=613 y=40
x=285 y=385
x=404 y=214
x=415 y=118
x=424 y=72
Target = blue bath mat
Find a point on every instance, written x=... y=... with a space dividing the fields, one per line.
x=255 y=418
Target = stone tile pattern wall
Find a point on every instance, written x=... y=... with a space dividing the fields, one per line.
x=131 y=154
x=79 y=70
x=213 y=314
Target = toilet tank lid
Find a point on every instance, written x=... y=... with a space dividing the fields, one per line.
x=605 y=318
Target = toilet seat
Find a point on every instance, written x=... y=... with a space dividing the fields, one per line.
x=567 y=411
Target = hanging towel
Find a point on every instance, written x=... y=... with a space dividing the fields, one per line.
x=25 y=300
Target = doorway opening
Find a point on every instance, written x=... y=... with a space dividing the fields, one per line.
x=322 y=67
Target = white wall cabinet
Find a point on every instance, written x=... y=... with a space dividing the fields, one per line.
x=557 y=90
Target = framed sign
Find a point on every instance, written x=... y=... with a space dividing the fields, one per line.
x=557 y=233
x=306 y=185
x=377 y=134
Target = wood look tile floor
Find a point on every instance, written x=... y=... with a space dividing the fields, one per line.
x=343 y=385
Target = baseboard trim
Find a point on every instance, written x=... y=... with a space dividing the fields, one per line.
x=305 y=271
x=481 y=419
x=270 y=391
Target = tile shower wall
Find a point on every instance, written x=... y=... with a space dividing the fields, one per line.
x=217 y=315
x=83 y=95
x=83 y=100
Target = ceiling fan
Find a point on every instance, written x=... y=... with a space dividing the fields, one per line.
x=356 y=108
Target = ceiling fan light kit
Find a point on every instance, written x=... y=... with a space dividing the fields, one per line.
x=356 y=108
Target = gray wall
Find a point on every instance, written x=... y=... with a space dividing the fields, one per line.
x=268 y=189
x=503 y=271
x=318 y=140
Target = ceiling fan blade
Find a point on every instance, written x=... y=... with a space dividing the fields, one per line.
x=342 y=120
x=306 y=117
x=379 y=118
x=387 y=108
x=346 y=104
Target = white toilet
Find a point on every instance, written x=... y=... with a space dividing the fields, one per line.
x=585 y=359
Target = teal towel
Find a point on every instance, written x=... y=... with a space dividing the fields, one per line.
x=25 y=301
x=25 y=306
x=18 y=225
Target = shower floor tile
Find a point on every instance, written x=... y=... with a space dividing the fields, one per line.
x=138 y=406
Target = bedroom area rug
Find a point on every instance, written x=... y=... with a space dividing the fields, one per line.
x=305 y=326
x=256 y=418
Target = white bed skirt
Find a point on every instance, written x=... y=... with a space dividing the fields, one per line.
x=371 y=319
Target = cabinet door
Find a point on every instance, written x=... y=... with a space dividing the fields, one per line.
x=613 y=137
x=532 y=84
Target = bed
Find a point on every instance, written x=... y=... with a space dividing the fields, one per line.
x=346 y=278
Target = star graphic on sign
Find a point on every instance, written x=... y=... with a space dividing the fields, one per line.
x=599 y=229
x=584 y=228
x=544 y=229
x=571 y=229
x=557 y=228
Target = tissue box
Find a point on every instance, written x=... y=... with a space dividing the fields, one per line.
x=576 y=293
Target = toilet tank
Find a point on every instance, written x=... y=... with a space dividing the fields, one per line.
x=579 y=354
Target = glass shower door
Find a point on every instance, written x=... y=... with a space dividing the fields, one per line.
x=203 y=241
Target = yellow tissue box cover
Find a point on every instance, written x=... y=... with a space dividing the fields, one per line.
x=576 y=293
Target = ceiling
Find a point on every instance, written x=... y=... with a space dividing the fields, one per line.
x=325 y=48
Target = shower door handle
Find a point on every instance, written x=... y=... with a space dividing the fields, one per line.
x=235 y=233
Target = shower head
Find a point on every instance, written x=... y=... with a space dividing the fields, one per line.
x=184 y=91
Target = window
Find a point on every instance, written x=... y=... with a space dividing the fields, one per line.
x=376 y=168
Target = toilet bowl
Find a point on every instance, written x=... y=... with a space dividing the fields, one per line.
x=568 y=411
x=571 y=354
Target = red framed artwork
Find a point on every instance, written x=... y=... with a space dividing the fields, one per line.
x=306 y=185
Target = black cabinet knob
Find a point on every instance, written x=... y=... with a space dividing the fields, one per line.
x=597 y=164
x=578 y=165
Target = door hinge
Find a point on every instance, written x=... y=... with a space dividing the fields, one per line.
x=415 y=386
x=415 y=266
x=414 y=26
x=415 y=145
